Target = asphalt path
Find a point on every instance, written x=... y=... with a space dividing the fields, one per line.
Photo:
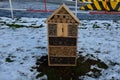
x=27 y=4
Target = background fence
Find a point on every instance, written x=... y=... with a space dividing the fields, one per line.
x=22 y=7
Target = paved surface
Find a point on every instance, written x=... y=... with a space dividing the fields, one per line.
x=37 y=4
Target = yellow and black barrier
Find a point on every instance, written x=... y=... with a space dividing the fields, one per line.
x=98 y=0
x=102 y=6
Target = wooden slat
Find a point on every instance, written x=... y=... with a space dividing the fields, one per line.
x=66 y=37
x=62 y=41
x=62 y=64
x=73 y=21
x=65 y=29
x=63 y=60
x=70 y=17
x=61 y=56
x=55 y=16
x=68 y=21
x=64 y=21
x=58 y=21
x=59 y=30
x=63 y=46
x=62 y=51
x=61 y=17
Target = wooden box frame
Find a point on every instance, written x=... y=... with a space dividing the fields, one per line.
x=58 y=29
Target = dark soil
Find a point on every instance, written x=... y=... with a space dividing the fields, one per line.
x=70 y=73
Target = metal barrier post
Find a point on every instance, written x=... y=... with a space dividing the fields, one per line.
x=11 y=8
x=76 y=8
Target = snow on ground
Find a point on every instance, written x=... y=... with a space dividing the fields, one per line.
x=20 y=47
x=102 y=39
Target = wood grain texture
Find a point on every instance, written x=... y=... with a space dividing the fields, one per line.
x=62 y=41
x=65 y=29
x=63 y=9
x=62 y=60
x=62 y=51
x=59 y=30
x=62 y=18
x=52 y=29
x=72 y=30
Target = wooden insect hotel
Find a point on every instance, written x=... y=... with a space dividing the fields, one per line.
x=62 y=37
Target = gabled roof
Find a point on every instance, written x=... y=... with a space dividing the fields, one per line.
x=67 y=9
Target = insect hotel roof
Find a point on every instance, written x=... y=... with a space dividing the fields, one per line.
x=63 y=10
